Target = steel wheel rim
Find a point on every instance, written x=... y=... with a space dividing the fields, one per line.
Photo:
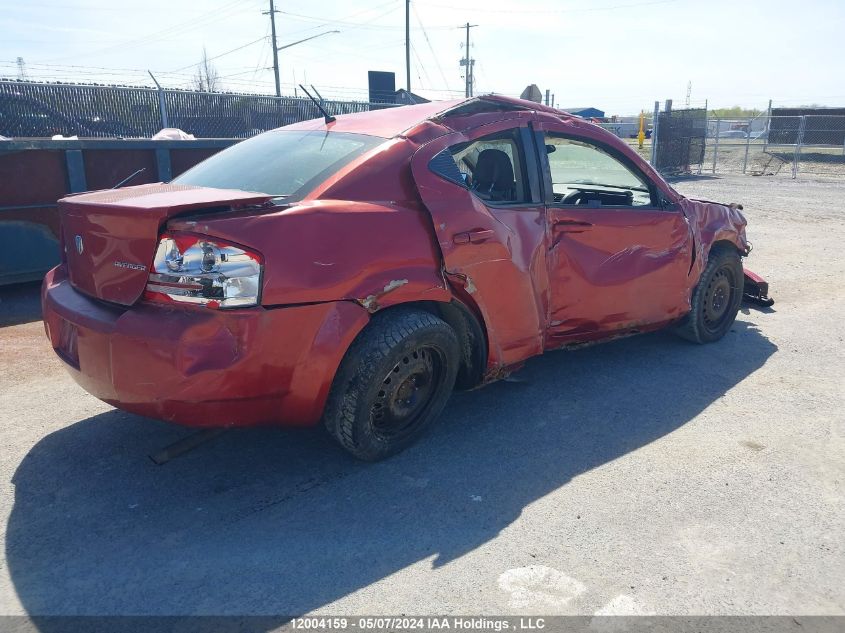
x=407 y=392
x=719 y=296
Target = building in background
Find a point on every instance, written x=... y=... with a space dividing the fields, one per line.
x=403 y=97
x=585 y=113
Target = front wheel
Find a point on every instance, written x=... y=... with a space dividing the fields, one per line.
x=392 y=384
x=716 y=298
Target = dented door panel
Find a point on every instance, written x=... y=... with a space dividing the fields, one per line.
x=615 y=269
x=494 y=255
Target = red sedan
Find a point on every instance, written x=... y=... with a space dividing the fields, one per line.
x=354 y=271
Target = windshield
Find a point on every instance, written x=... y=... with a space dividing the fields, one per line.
x=283 y=164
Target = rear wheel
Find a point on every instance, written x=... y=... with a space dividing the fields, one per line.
x=716 y=298
x=392 y=384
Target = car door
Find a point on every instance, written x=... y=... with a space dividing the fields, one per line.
x=492 y=242
x=618 y=255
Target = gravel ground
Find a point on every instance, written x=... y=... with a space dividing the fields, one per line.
x=646 y=475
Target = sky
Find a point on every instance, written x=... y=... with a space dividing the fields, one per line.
x=617 y=55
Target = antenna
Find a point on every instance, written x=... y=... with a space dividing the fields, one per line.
x=129 y=177
x=329 y=118
x=689 y=92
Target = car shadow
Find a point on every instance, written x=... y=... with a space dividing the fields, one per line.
x=20 y=303
x=269 y=522
x=748 y=307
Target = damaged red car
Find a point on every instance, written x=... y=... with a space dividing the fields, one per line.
x=353 y=272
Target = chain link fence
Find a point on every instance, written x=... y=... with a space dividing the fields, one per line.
x=686 y=140
x=779 y=145
x=776 y=145
x=681 y=137
x=43 y=110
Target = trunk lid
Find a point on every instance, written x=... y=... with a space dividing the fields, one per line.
x=110 y=236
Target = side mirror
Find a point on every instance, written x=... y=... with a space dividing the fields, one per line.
x=550 y=149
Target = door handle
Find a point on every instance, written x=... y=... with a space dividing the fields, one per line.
x=571 y=226
x=473 y=237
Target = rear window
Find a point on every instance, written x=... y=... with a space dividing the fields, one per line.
x=281 y=163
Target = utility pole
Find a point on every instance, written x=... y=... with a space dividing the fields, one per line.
x=274 y=45
x=408 y=45
x=468 y=63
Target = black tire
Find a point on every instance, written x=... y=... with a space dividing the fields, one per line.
x=716 y=298
x=392 y=384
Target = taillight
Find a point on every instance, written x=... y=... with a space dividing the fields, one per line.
x=203 y=270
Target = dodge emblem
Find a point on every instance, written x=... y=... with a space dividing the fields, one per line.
x=79 y=246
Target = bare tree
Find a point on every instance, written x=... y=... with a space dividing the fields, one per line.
x=206 y=78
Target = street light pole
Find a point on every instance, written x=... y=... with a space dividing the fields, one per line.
x=281 y=48
x=272 y=12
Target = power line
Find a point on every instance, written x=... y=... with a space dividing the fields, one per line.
x=356 y=53
x=521 y=10
x=346 y=17
x=420 y=65
x=484 y=74
x=204 y=19
x=260 y=39
x=368 y=24
x=262 y=55
x=362 y=25
x=430 y=47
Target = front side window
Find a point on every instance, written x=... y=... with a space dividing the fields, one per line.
x=585 y=174
x=281 y=163
x=492 y=167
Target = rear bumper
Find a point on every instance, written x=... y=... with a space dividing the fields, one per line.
x=201 y=367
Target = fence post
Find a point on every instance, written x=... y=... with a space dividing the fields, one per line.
x=716 y=146
x=704 y=150
x=768 y=125
x=798 y=142
x=747 y=144
x=162 y=107
x=654 y=135
x=75 y=165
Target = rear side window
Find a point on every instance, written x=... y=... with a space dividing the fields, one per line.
x=282 y=163
x=492 y=167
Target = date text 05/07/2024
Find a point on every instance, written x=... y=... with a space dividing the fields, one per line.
x=418 y=623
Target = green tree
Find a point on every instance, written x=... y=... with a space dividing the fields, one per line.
x=736 y=112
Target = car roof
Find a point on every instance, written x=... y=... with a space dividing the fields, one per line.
x=392 y=121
